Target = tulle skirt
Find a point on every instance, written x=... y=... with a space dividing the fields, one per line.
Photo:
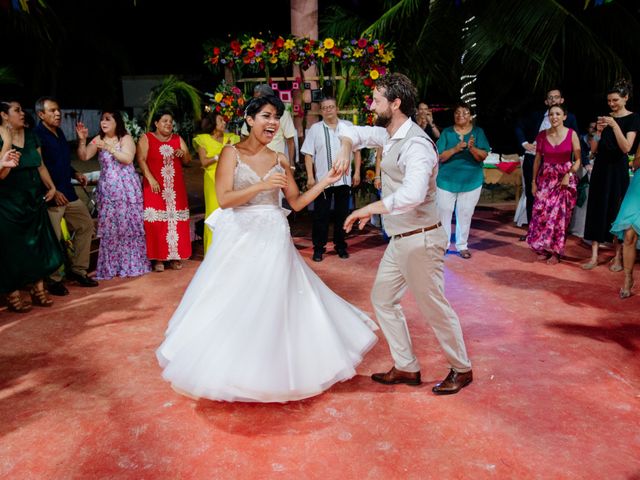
x=256 y=324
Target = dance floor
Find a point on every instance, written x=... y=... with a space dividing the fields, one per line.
x=556 y=391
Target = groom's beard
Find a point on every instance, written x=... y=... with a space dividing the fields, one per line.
x=384 y=119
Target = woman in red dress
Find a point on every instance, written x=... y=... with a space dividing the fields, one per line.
x=161 y=155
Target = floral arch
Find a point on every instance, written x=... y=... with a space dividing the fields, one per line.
x=346 y=68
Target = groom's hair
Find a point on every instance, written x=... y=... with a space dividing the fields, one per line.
x=397 y=85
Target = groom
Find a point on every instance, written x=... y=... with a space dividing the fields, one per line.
x=414 y=258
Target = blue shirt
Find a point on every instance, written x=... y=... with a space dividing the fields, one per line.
x=462 y=172
x=56 y=156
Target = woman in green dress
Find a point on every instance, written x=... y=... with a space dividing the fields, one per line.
x=29 y=250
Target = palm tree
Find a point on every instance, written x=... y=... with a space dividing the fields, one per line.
x=538 y=40
x=7 y=77
x=33 y=25
x=176 y=95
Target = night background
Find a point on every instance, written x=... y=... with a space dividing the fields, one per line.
x=79 y=51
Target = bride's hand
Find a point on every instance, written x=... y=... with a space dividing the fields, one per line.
x=333 y=176
x=275 y=180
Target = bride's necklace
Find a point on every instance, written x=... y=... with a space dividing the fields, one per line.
x=250 y=152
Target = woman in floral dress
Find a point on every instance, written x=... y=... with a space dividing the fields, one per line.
x=554 y=186
x=161 y=155
x=123 y=252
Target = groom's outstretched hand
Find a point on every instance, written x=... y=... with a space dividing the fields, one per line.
x=362 y=216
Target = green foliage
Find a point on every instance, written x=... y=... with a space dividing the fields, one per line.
x=542 y=42
x=176 y=95
x=7 y=77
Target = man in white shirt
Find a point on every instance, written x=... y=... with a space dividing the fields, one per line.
x=320 y=147
x=284 y=137
x=414 y=258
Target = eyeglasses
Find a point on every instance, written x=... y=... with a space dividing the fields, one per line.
x=328 y=107
x=554 y=97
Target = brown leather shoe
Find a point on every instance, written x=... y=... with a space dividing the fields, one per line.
x=454 y=382
x=395 y=376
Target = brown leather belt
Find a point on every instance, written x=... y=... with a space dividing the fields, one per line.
x=417 y=230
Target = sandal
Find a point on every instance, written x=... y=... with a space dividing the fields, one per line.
x=626 y=293
x=465 y=254
x=158 y=267
x=589 y=266
x=175 y=264
x=39 y=297
x=553 y=260
x=613 y=266
x=16 y=304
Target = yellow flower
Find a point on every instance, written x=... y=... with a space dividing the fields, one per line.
x=253 y=41
x=273 y=59
x=320 y=52
x=218 y=97
x=374 y=74
x=328 y=43
x=387 y=57
x=289 y=44
x=357 y=53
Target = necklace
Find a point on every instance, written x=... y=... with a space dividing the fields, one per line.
x=160 y=137
x=218 y=137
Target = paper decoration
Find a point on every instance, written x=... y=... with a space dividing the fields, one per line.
x=285 y=95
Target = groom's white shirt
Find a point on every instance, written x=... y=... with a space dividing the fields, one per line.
x=418 y=161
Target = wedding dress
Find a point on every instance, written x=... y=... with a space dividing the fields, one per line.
x=256 y=324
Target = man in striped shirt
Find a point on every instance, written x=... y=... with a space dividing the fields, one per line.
x=320 y=148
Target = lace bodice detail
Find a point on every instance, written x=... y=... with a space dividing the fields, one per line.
x=244 y=176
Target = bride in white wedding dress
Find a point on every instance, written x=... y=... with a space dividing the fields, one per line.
x=256 y=324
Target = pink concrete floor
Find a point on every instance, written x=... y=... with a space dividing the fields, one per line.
x=556 y=391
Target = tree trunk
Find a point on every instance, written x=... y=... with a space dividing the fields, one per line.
x=304 y=23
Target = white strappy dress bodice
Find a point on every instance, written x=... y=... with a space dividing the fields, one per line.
x=244 y=176
x=256 y=324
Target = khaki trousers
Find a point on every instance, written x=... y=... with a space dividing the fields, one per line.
x=80 y=222
x=416 y=262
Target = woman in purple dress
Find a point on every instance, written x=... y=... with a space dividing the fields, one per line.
x=123 y=250
x=554 y=186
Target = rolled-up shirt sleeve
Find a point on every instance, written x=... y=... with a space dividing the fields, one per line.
x=418 y=160
x=363 y=137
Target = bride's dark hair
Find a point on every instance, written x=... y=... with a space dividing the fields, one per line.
x=256 y=104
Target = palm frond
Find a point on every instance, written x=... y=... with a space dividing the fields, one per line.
x=173 y=93
x=7 y=77
x=340 y=22
x=542 y=35
x=402 y=11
